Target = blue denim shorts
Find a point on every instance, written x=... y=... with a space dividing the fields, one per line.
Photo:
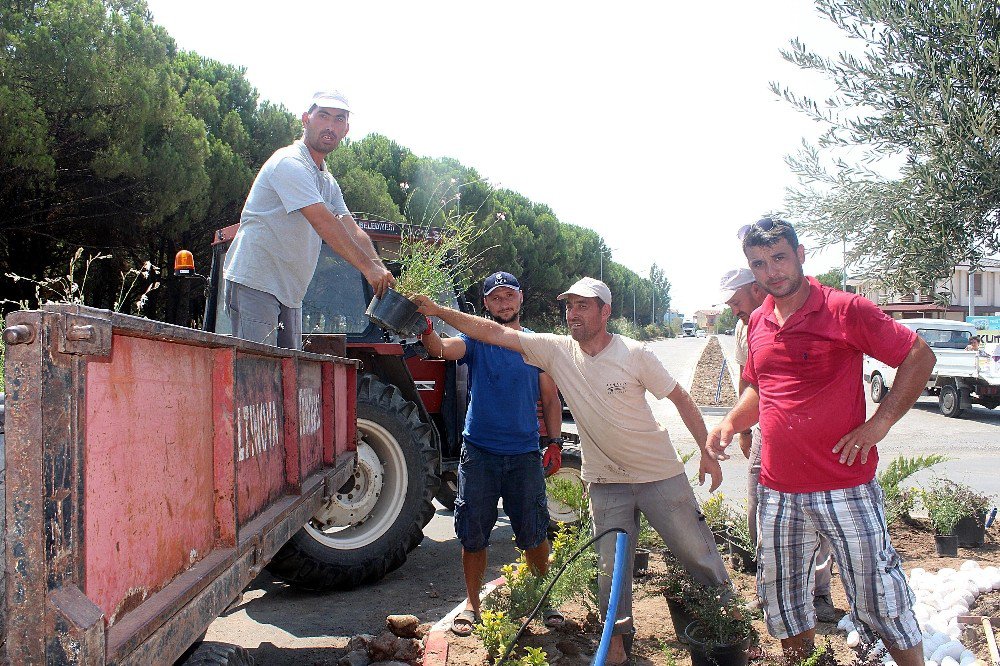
x=483 y=479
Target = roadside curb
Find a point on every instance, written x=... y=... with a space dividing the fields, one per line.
x=714 y=411
x=436 y=643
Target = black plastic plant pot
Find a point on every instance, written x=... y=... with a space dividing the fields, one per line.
x=641 y=562
x=705 y=653
x=971 y=531
x=394 y=312
x=742 y=559
x=946 y=545
x=680 y=616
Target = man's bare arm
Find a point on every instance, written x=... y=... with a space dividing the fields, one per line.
x=741 y=417
x=334 y=231
x=475 y=327
x=551 y=406
x=450 y=349
x=911 y=378
x=695 y=424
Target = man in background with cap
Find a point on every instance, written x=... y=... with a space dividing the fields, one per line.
x=500 y=455
x=628 y=459
x=294 y=205
x=743 y=295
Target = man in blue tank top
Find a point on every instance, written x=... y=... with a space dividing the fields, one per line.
x=500 y=454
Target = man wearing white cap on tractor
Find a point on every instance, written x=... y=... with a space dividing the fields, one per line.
x=628 y=459
x=740 y=291
x=294 y=205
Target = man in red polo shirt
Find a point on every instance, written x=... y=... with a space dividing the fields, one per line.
x=806 y=344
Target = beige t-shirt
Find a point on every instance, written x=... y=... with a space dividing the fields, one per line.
x=742 y=348
x=621 y=440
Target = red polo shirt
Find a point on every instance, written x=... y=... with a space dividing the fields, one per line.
x=808 y=375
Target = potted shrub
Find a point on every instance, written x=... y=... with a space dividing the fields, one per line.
x=945 y=508
x=433 y=260
x=970 y=530
x=721 y=633
x=742 y=550
x=718 y=516
x=677 y=584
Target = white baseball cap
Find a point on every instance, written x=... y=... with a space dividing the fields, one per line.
x=331 y=100
x=588 y=288
x=733 y=280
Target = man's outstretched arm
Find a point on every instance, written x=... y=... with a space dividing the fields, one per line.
x=475 y=327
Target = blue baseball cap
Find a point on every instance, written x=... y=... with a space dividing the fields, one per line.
x=500 y=279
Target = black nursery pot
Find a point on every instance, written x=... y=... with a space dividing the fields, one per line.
x=704 y=654
x=742 y=559
x=680 y=616
x=946 y=545
x=395 y=312
x=971 y=531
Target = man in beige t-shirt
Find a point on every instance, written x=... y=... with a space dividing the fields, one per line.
x=628 y=459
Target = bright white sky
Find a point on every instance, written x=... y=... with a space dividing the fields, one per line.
x=649 y=122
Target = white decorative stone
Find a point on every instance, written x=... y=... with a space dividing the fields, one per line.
x=853 y=639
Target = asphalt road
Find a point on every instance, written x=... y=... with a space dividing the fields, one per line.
x=286 y=626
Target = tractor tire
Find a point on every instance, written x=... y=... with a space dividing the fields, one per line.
x=209 y=653
x=560 y=512
x=878 y=390
x=378 y=516
x=448 y=491
x=950 y=402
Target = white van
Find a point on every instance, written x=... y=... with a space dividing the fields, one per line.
x=960 y=378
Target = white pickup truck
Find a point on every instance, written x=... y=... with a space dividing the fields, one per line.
x=960 y=377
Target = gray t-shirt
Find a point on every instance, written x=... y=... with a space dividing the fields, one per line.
x=276 y=249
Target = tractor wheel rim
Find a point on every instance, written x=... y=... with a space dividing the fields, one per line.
x=365 y=507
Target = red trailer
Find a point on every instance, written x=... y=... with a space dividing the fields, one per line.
x=151 y=472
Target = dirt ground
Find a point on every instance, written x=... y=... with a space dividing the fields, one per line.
x=705 y=383
x=656 y=643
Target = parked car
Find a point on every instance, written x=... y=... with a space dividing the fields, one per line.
x=700 y=333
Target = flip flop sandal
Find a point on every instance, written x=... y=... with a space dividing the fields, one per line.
x=552 y=618
x=463 y=623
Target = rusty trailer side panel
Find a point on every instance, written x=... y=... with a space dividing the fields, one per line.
x=152 y=471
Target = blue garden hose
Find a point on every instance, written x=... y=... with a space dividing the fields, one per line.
x=612 y=610
x=621 y=560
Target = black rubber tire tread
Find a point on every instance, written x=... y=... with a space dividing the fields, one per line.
x=448 y=490
x=308 y=564
x=209 y=653
x=878 y=390
x=956 y=400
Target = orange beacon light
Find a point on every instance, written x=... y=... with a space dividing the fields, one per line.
x=184 y=263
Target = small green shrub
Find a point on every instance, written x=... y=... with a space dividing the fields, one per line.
x=947 y=502
x=718 y=514
x=496 y=631
x=899 y=501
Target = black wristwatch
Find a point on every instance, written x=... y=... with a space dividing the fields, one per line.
x=558 y=441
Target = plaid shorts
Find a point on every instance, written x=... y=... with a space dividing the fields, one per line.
x=853 y=519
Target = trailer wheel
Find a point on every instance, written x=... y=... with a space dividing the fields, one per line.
x=878 y=391
x=563 y=489
x=209 y=653
x=366 y=529
x=950 y=402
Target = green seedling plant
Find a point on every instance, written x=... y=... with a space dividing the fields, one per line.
x=899 y=501
x=947 y=502
x=496 y=631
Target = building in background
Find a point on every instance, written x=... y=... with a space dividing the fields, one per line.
x=985 y=295
x=706 y=319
